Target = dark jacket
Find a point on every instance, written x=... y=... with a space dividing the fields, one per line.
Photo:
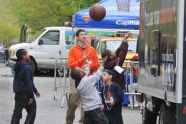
x=114 y=113
x=23 y=79
x=121 y=53
x=116 y=93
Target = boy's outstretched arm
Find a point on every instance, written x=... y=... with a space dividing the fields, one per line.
x=96 y=75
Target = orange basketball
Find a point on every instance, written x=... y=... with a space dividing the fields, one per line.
x=97 y=12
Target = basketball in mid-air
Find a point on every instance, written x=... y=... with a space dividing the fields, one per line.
x=97 y=12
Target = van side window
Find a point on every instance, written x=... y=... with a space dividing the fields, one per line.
x=51 y=38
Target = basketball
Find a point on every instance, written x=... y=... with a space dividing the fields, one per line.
x=97 y=12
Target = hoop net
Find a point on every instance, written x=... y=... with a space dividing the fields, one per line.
x=124 y=5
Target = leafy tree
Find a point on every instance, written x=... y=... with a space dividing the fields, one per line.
x=9 y=29
x=36 y=14
x=8 y=33
x=41 y=13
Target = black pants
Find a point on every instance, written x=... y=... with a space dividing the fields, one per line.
x=21 y=101
x=114 y=117
x=95 y=116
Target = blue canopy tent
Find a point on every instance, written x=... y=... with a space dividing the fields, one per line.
x=114 y=19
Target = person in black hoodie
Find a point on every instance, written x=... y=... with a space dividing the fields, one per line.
x=24 y=89
x=112 y=97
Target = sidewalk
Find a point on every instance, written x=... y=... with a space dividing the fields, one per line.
x=48 y=110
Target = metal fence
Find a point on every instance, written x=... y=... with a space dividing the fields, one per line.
x=62 y=81
x=131 y=84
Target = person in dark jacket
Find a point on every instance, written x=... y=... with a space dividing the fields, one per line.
x=112 y=97
x=24 y=89
x=117 y=58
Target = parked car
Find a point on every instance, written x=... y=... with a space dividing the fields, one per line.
x=112 y=43
x=43 y=50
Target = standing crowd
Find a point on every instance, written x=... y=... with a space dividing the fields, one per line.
x=103 y=106
x=98 y=108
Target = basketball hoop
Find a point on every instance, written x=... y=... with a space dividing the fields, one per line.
x=123 y=5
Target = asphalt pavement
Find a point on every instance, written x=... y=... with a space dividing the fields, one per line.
x=48 y=110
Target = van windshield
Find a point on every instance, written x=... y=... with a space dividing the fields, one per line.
x=35 y=37
x=114 y=44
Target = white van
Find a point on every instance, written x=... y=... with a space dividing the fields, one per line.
x=51 y=43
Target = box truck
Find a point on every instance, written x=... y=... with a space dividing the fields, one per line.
x=162 y=61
